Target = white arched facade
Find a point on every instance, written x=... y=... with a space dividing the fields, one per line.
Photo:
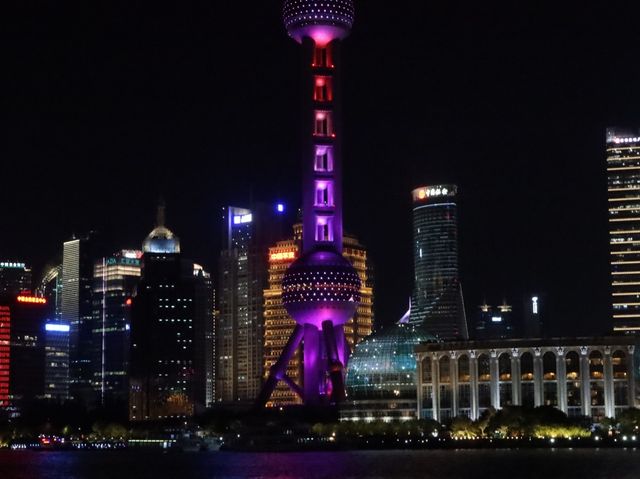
x=582 y=377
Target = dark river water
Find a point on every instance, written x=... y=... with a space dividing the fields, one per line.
x=494 y=464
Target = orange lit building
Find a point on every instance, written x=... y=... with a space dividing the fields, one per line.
x=278 y=325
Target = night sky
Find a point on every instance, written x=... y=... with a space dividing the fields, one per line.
x=112 y=106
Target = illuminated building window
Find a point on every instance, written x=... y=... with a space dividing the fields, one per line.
x=322 y=90
x=324 y=194
x=324 y=230
x=323 y=124
x=322 y=57
x=324 y=159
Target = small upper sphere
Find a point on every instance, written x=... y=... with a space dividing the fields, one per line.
x=321 y=285
x=321 y=20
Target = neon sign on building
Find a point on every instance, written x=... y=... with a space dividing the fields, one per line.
x=283 y=256
x=31 y=299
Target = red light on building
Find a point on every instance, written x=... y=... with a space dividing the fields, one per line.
x=128 y=302
x=31 y=299
x=5 y=354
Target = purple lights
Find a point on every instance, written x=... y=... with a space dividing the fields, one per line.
x=321 y=20
x=321 y=289
x=321 y=286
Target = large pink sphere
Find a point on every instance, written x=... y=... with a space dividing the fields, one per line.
x=321 y=285
x=322 y=20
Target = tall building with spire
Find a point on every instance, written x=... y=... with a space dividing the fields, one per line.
x=171 y=328
x=278 y=325
x=320 y=289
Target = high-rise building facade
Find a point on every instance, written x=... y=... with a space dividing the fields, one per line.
x=5 y=354
x=437 y=295
x=247 y=235
x=278 y=325
x=623 y=178
x=77 y=312
x=114 y=281
x=22 y=357
x=15 y=278
x=56 y=382
x=172 y=319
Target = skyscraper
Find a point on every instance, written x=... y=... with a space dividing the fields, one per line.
x=278 y=325
x=22 y=320
x=320 y=289
x=437 y=294
x=76 y=311
x=623 y=177
x=15 y=278
x=56 y=337
x=247 y=235
x=172 y=319
x=114 y=281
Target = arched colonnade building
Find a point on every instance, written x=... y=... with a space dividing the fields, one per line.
x=582 y=376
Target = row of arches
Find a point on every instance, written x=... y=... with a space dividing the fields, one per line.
x=526 y=361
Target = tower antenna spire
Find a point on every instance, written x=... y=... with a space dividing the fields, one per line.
x=321 y=289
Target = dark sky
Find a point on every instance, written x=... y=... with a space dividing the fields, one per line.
x=112 y=105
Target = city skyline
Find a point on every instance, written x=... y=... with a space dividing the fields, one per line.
x=530 y=137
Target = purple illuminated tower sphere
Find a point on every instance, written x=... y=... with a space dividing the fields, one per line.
x=321 y=289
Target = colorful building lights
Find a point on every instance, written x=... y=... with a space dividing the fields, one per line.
x=5 y=354
x=10 y=264
x=31 y=299
x=57 y=328
x=242 y=219
x=282 y=256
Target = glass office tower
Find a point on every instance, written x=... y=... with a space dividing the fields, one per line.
x=437 y=295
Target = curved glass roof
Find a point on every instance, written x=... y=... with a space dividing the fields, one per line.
x=383 y=365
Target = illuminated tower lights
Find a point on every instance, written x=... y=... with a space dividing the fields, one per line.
x=623 y=192
x=321 y=289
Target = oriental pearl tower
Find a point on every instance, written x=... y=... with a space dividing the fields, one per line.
x=320 y=290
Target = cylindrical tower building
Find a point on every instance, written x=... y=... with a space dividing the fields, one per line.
x=437 y=295
x=321 y=289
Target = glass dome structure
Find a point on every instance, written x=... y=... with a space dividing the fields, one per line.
x=383 y=365
x=161 y=239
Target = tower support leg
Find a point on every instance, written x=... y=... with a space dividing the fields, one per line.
x=334 y=364
x=279 y=370
x=313 y=367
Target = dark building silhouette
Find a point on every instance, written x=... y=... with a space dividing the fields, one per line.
x=494 y=322
x=15 y=278
x=171 y=331
x=77 y=310
x=114 y=281
x=56 y=380
x=22 y=349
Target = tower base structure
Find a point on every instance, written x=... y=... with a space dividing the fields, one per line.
x=326 y=353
